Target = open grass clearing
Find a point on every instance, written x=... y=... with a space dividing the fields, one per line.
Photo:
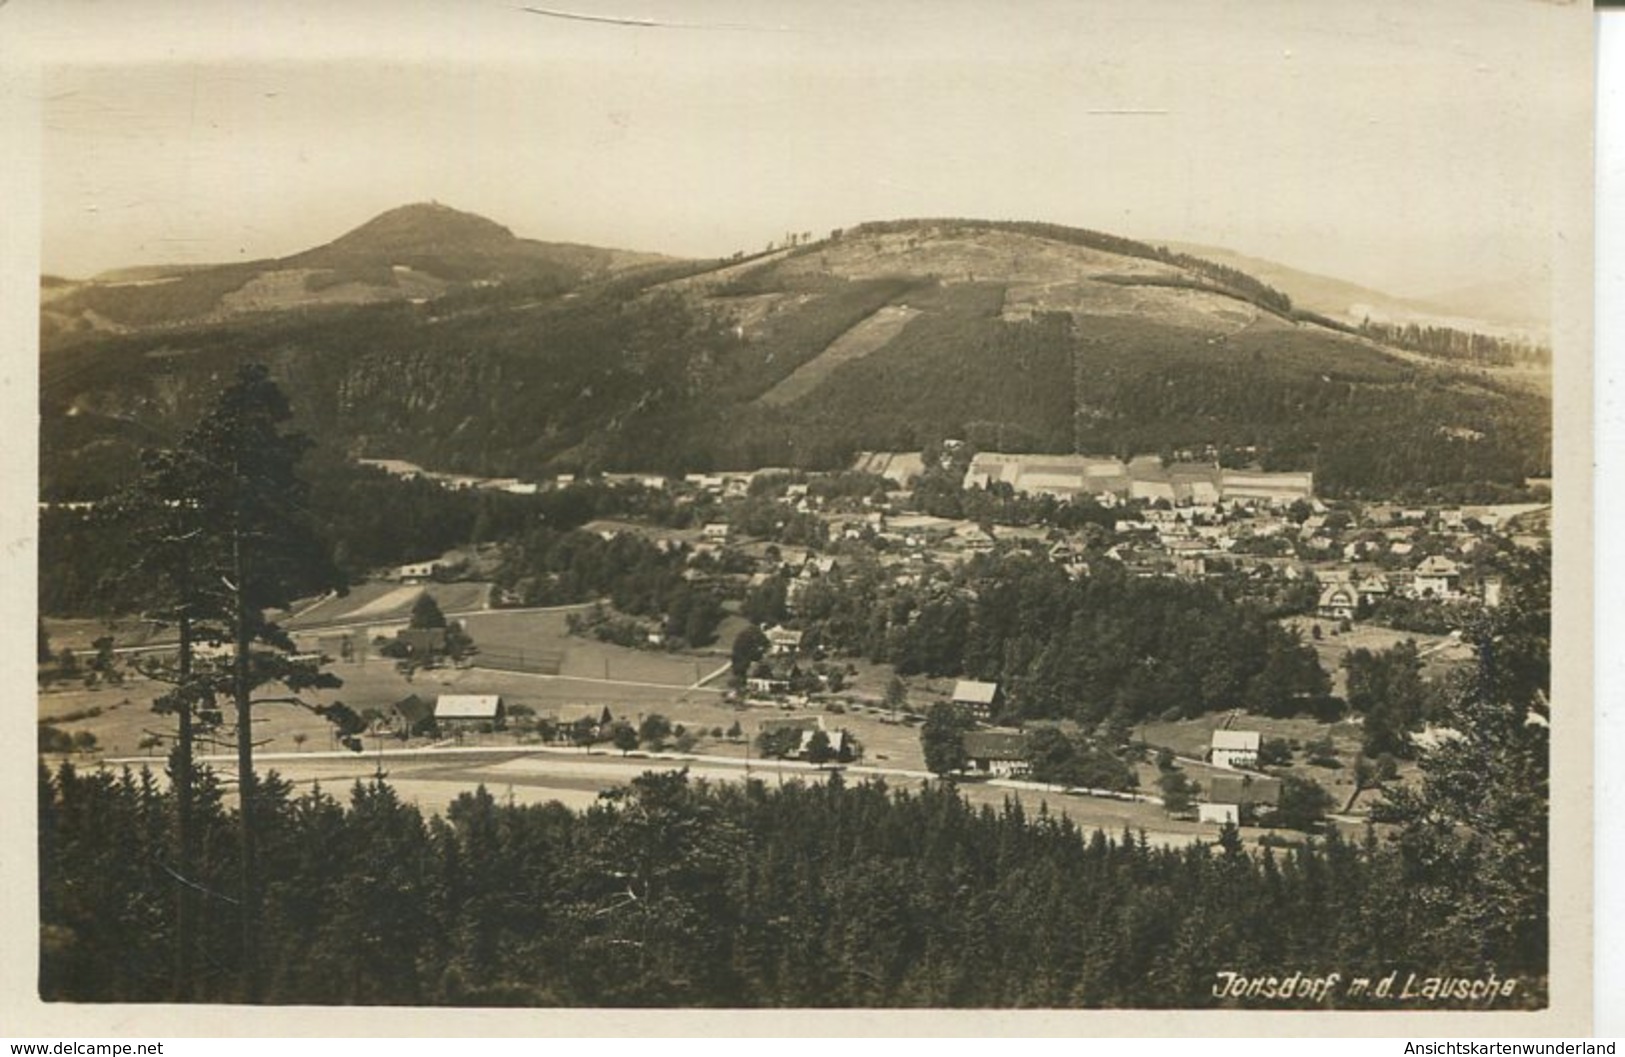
x=383 y=601
x=1192 y=737
x=538 y=635
x=1440 y=653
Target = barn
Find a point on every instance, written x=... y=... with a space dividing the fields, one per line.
x=1235 y=748
x=1000 y=754
x=979 y=699
x=1238 y=798
x=469 y=712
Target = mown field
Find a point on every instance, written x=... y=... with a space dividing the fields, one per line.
x=1191 y=738
x=434 y=779
x=632 y=684
x=1440 y=653
x=382 y=602
x=543 y=637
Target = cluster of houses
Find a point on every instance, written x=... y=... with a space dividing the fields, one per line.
x=1108 y=479
x=1357 y=558
x=447 y=714
x=718 y=484
x=840 y=744
x=1237 y=797
x=788 y=673
x=457 y=715
x=1347 y=591
x=1186 y=519
x=1188 y=513
x=1234 y=792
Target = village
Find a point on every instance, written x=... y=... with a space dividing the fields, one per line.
x=1184 y=519
x=601 y=695
x=771 y=511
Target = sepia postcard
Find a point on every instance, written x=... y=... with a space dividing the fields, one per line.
x=721 y=518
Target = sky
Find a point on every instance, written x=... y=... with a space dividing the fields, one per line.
x=1414 y=148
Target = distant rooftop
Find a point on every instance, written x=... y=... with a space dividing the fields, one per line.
x=972 y=692
x=467 y=706
x=1236 y=740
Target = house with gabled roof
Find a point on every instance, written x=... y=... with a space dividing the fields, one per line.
x=784 y=641
x=978 y=698
x=454 y=711
x=1436 y=577
x=842 y=746
x=416 y=572
x=998 y=753
x=1373 y=588
x=410 y=715
x=422 y=643
x=1238 y=798
x=1234 y=748
x=1338 y=601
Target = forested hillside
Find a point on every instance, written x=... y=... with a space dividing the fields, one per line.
x=369 y=518
x=1012 y=336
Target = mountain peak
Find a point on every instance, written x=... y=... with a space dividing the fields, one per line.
x=425 y=227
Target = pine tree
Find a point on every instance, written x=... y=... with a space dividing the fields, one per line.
x=236 y=471
x=1474 y=835
x=168 y=578
x=426 y=613
x=942 y=738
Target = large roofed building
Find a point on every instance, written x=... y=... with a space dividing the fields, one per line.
x=1143 y=477
x=996 y=752
x=976 y=697
x=1276 y=488
x=1236 y=798
x=1235 y=748
x=900 y=467
x=469 y=709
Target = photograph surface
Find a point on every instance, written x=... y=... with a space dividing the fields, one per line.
x=784 y=506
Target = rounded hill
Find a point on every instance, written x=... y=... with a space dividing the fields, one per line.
x=424 y=227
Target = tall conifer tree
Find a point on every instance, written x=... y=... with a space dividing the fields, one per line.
x=227 y=527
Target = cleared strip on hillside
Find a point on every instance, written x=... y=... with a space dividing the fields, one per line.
x=864 y=337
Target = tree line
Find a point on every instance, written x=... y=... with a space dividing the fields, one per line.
x=672 y=892
x=1469 y=346
x=545 y=567
x=367 y=519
